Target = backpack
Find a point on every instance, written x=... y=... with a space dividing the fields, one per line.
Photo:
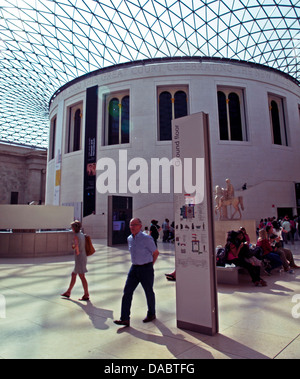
x=257 y=252
x=221 y=256
x=89 y=248
x=154 y=231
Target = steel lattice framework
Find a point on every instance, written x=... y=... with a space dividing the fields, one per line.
x=46 y=43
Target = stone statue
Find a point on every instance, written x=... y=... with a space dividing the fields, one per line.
x=229 y=194
x=225 y=197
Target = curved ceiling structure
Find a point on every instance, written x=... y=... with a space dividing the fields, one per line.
x=46 y=43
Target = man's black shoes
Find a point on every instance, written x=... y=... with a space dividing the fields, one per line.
x=127 y=322
x=122 y=322
x=149 y=318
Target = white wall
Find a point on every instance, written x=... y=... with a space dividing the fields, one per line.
x=269 y=170
x=35 y=217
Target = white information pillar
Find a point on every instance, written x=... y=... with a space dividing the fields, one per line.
x=196 y=285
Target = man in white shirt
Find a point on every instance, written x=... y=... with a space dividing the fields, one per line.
x=287 y=230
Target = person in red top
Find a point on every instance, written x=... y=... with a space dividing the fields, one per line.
x=235 y=253
x=268 y=251
x=246 y=237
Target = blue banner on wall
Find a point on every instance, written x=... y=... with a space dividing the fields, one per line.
x=90 y=152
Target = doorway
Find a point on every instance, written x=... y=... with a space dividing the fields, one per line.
x=119 y=216
x=282 y=212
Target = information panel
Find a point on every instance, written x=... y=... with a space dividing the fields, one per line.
x=196 y=288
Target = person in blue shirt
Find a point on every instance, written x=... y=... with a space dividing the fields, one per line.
x=144 y=253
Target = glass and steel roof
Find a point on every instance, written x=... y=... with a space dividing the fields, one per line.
x=47 y=43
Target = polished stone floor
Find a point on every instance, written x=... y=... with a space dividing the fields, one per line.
x=35 y=322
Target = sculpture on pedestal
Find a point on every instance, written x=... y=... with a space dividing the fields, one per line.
x=225 y=197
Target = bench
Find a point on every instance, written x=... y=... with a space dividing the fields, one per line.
x=228 y=275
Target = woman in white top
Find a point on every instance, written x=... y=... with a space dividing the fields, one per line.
x=277 y=230
x=286 y=255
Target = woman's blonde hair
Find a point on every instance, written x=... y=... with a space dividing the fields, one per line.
x=76 y=225
x=262 y=233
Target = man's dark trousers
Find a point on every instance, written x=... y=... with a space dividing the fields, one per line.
x=143 y=274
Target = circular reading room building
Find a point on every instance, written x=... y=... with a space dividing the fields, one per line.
x=107 y=126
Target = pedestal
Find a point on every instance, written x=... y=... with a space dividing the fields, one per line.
x=222 y=227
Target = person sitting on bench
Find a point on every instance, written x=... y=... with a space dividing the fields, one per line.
x=236 y=254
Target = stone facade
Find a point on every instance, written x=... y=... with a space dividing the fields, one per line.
x=22 y=174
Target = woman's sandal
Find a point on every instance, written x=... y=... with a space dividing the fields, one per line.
x=84 y=298
x=66 y=294
x=170 y=277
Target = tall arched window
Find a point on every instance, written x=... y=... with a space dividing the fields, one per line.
x=180 y=104
x=172 y=105
x=118 y=119
x=232 y=123
x=74 y=128
x=77 y=130
x=165 y=116
x=113 y=121
x=125 y=120
x=52 y=138
x=223 y=120
x=278 y=123
x=235 y=117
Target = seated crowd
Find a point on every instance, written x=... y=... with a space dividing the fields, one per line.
x=268 y=252
x=266 y=255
